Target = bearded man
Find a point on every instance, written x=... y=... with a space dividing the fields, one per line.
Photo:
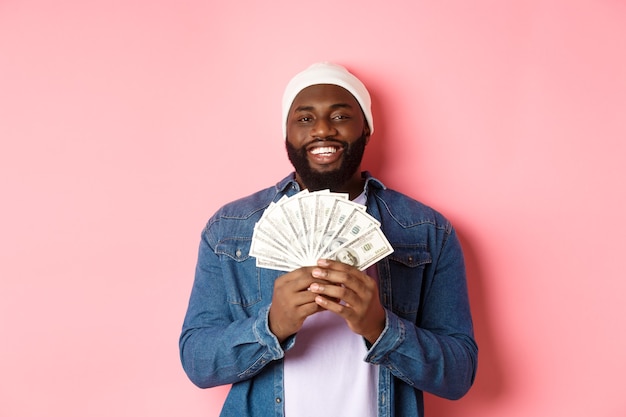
x=330 y=339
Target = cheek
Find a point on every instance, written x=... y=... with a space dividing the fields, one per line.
x=293 y=143
x=296 y=137
x=353 y=131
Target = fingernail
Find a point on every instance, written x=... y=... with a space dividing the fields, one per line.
x=318 y=273
x=323 y=262
x=314 y=287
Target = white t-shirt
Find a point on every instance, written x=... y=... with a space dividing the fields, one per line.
x=324 y=372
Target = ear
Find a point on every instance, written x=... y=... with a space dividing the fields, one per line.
x=366 y=133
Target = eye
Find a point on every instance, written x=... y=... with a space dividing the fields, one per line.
x=302 y=117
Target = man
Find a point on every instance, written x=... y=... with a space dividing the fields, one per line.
x=330 y=340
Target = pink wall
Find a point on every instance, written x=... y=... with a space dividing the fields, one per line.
x=124 y=125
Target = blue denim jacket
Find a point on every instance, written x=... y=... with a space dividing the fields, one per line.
x=427 y=343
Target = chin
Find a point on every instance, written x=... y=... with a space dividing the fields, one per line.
x=332 y=177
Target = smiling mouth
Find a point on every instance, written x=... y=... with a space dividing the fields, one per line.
x=324 y=150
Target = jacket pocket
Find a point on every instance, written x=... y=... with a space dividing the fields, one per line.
x=407 y=265
x=241 y=276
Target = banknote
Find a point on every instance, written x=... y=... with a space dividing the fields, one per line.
x=296 y=231
x=364 y=251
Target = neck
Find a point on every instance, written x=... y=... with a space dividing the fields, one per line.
x=353 y=187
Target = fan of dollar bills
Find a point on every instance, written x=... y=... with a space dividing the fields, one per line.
x=297 y=231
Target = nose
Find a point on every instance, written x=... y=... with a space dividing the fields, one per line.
x=323 y=128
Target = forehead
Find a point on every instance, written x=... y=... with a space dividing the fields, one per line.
x=322 y=95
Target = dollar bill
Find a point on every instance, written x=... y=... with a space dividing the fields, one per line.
x=364 y=251
x=296 y=231
x=268 y=252
x=275 y=225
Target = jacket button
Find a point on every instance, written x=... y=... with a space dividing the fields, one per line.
x=238 y=253
x=278 y=400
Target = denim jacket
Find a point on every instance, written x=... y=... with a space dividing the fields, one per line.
x=427 y=343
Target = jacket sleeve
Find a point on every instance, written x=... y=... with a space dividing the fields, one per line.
x=437 y=354
x=216 y=348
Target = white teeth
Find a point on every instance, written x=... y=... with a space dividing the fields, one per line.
x=327 y=149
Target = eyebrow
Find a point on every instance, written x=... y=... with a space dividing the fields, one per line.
x=333 y=107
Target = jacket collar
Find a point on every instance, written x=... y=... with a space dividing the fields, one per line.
x=290 y=182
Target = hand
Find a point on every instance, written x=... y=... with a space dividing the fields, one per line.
x=292 y=302
x=361 y=306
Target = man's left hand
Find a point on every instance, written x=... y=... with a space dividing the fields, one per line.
x=357 y=294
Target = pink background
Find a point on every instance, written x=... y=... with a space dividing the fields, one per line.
x=124 y=125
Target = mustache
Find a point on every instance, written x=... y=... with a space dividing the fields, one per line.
x=341 y=143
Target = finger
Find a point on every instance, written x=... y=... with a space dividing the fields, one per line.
x=336 y=306
x=366 y=320
x=351 y=279
x=335 y=265
x=355 y=289
x=295 y=281
x=336 y=292
x=339 y=267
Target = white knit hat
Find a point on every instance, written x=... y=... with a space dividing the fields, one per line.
x=327 y=73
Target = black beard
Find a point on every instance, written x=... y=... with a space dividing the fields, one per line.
x=331 y=180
